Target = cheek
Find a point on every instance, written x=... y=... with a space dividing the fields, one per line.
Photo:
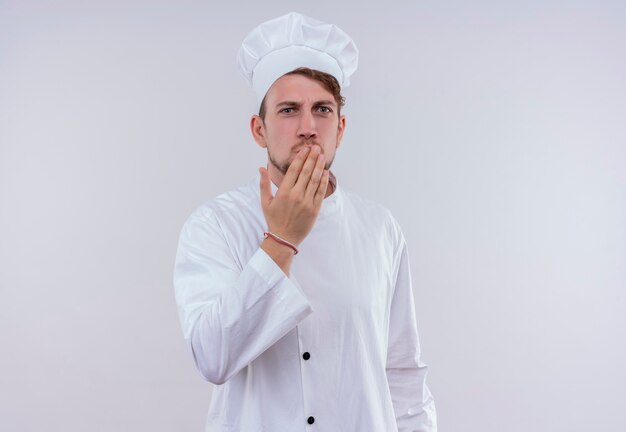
x=279 y=144
x=332 y=135
x=280 y=131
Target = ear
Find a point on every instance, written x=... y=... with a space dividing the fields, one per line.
x=257 y=127
x=340 y=129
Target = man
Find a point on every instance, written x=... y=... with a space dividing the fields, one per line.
x=294 y=294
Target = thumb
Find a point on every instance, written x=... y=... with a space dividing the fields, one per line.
x=266 y=189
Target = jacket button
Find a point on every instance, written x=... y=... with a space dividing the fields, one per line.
x=311 y=420
x=306 y=356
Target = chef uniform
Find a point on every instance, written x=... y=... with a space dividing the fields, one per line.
x=331 y=347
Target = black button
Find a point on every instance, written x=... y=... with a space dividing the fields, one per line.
x=306 y=356
x=311 y=420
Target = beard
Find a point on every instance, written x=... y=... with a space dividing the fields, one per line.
x=284 y=166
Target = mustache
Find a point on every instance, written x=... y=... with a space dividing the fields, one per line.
x=305 y=143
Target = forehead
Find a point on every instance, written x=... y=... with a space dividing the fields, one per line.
x=297 y=88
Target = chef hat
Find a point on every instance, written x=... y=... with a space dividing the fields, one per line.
x=283 y=44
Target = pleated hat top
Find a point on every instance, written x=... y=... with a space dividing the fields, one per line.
x=288 y=42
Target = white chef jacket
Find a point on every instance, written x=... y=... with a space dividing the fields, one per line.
x=332 y=347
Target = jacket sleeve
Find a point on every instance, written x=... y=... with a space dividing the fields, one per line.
x=229 y=314
x=413 y=402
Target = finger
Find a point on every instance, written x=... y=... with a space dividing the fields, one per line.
x=265 y=187
x=307 y=170
x=294 y=169
x=316 y=177
x=321 y=190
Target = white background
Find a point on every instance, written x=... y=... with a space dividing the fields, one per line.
x=494 y=131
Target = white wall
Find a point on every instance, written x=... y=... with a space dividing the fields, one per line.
x=494 y=131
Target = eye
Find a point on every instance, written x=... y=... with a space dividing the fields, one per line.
x=325 y=109
x=286 y=110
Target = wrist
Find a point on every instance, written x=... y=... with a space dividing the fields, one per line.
x=281 y=254
x=281 y=240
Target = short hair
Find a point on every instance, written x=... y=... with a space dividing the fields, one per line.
x=327 y=81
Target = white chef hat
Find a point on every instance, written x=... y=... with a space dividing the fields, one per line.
x=283 y=44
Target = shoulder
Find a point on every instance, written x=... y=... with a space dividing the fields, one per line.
x=375 y=215
x=227 y=204
x=231 y=206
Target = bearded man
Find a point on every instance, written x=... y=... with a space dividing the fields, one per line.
x=295 y=294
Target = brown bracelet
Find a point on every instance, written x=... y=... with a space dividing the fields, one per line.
x=280 y=240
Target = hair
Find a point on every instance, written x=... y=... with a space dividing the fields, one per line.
x=327 y=81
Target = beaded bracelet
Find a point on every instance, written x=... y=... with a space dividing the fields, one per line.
x=281 y=241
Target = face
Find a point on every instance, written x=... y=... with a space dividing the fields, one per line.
x=299 y=112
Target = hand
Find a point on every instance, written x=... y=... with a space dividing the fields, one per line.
x=293 y=211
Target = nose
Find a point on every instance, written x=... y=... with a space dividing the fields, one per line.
x=307 y=128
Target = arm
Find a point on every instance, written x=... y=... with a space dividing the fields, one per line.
x=230 y=315
x=406 y=374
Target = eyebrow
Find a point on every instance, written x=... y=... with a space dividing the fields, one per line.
x=297 y=104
